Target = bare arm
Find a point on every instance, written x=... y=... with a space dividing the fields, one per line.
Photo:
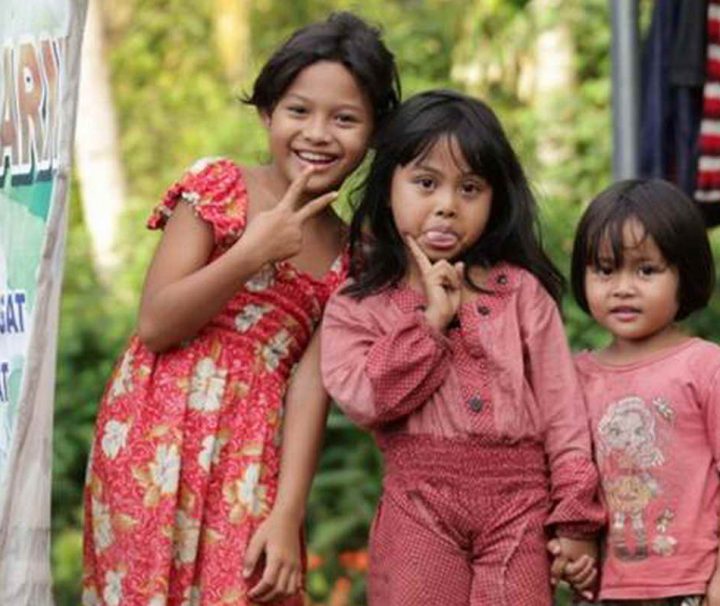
x=306 y=407
x=182 y=291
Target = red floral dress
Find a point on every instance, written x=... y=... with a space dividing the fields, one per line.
x=185 y=461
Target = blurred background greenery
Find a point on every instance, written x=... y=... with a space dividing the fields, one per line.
x=177 y=68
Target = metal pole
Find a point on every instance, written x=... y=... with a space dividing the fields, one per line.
x=625 y=88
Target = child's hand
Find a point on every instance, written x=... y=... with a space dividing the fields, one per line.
x=277 y=542
x=443 y=286
x=575 y=562
x=712 y=594
x=278 y=233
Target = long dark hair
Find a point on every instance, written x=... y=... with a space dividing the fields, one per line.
x=378 y=255
x=668 y=216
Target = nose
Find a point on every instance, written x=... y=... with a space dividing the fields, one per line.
x=624 y=284
x=445 y=203
x=316 y=130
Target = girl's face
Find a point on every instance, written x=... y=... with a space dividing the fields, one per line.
x=636 y=301
x=438 y=200
x=323 y=120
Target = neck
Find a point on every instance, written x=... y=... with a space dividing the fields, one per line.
x=633 y=350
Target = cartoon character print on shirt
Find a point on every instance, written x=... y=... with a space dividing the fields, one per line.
x=629 y=437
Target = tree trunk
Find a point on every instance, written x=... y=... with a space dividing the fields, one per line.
x=231 y=22
x=97 y=151
x=554 y=81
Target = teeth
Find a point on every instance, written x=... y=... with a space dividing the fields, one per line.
x=315 y=157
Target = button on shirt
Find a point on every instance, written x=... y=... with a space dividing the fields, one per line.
x=505 y=374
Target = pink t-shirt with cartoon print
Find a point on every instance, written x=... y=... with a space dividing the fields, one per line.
x=656 y=435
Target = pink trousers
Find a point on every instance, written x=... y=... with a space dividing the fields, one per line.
x=460 y=523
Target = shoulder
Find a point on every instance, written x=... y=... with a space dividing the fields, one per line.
x=376 y=309
x=215 y=189
x=211 y=179
x=533 y=300
x=702 y=358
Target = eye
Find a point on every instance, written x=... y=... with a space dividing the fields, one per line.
x=347 y=119
x=296 y=110
x=424 y=183
x=472 y=188
x=604 y=270
x=646 y=270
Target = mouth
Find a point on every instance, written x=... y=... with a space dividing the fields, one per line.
x=441 y=238
x=625 y=313
x=319 y=160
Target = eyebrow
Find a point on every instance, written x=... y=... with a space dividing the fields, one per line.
x=467 y=173
x=351 y=106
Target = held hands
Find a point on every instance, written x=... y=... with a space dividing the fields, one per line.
x=575 y=561
x=277 y=542
x=278 y=232
x=712 y=594
x=442 y=282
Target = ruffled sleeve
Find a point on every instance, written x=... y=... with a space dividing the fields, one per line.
x=216 y=191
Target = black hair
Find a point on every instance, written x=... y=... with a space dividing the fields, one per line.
x=343 y=38
x=378 y=254
x=668 y=216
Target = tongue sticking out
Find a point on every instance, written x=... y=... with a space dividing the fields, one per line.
x=441 y=239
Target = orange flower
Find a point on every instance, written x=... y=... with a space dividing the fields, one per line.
x=314 y=561
x=340 y=595
x=355 y=560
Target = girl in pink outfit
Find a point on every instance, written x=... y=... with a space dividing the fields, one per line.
x=641 y=262
x=185 y=501
x=447 y=343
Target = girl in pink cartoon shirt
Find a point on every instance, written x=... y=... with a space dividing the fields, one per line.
x=641 y=263
x=447 y=343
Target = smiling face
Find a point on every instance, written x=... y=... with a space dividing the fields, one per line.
x=323 y=120
x=637 y=301
x=439 y=201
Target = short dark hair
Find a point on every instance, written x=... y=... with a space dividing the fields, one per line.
x=379 y=259
x=668 y=216
x=343 y=38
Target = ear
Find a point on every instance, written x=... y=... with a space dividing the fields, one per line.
x=265 y=117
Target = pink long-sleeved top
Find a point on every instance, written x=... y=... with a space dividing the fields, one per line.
x=502 y=373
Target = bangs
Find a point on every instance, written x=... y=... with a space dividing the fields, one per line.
x=605 y=242
x=468 y=142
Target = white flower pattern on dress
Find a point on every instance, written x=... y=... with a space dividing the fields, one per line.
x=114 y=437
x=251 y=493
x=249 y=316
x=122 y=383
x=102 y=525
x=187 y=536
x=165 y=469
x=207 y=386
x=90 y=597
x=113 y=593
x=262 y=280
x=276 y=349
x=191 y=596
x=210 y=453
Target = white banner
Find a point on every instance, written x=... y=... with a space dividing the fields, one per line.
x=39 y=72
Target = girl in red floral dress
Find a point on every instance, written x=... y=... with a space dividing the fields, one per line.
x=183 y=503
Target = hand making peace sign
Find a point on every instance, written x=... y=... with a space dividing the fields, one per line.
x=442 y=282
x=279 y=230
